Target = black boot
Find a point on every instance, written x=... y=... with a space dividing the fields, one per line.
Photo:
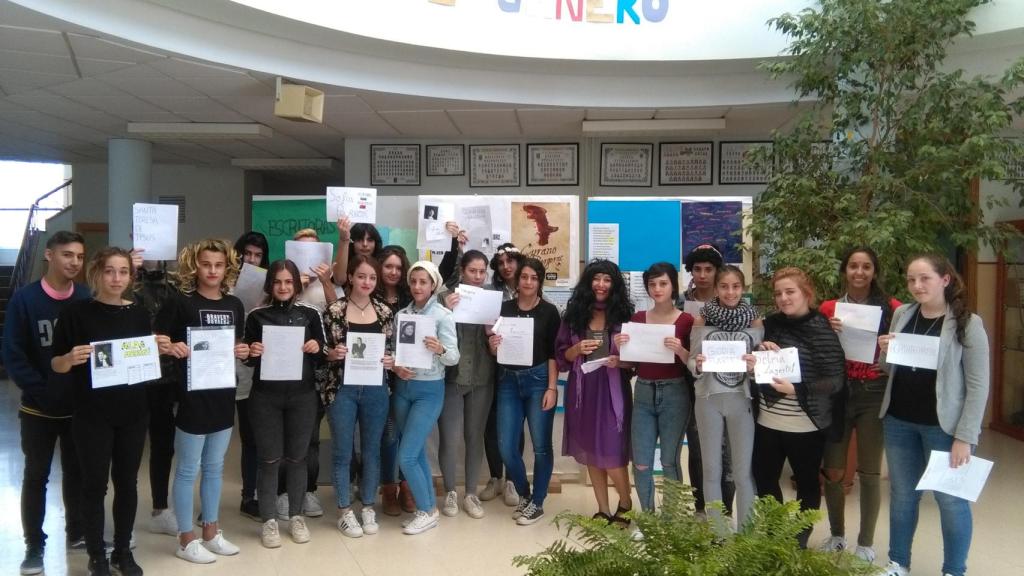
x=98 y=566
x=123 y=563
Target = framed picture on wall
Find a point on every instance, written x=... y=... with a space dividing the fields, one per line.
x=553 y=164
x=685 y=163
x=446 y=160
x=735 y=166
x=494 y=165
x=626 y=164
x=394 y=164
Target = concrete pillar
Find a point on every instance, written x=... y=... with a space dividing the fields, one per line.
x=129 y=169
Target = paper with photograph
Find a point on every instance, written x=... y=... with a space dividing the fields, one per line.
x=124 y=361
x=410 y=351
x=363 y=363
x=211 y=359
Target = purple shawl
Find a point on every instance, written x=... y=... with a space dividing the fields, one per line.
x=567 y=339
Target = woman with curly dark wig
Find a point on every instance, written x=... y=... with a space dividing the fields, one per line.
x=598 y=403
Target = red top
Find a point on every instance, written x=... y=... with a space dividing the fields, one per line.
x=857 y=370
x=651 y=371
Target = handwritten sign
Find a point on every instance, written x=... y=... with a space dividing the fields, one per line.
x=783 y=364
x=155 y=230
x=914 y=350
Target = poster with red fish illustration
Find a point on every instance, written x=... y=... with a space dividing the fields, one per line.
x=542 y=230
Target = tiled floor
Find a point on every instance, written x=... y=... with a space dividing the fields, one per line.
x=461 y=545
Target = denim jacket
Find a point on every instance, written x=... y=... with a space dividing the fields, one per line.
x=445 y=333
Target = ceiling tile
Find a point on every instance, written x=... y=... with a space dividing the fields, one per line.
x=27 y=78
x=177 y=67
x=551 y=122
x=135 y=81
x=199 y=109
x=349 y=104
x=687 y=113
x=360 y=125
x=37 y=62
x=619 y=114
x=104 y=49
x=486 y=123
x=95 y=67
x=32 y=40
x=421 y=123
x=285 y=147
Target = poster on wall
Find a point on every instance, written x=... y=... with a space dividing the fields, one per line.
x=685 y=163
x=735 y=164
x=626 y=164
x=552 y=164
x=494 y=165
x=541 y=230
x=394 y=164
x=718 y=223
x=446 y=160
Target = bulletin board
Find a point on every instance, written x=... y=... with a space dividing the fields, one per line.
x=649 y=229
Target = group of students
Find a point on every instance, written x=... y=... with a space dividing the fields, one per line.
x=740 y=433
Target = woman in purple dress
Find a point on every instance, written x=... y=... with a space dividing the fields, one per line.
x=598 y=403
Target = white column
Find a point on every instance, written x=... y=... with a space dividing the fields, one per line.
x=129 y=168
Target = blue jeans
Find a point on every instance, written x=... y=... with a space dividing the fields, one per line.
x=907 y=449
x=416 y=406
x=520 y=394
x=195 y=451
x=370 y=405
x=660 y=410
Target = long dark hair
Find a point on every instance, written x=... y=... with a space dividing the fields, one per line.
x=362 y=230
x=581 y=304
x=877 y=295
x=535 y=265
x=253 y=238
x=277 y=266
x=404 y=294
x=955 y=293
x=508 y=250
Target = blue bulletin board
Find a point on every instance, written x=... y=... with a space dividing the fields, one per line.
x=718 y=223
x=649 y=230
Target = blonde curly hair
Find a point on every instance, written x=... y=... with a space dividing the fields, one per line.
x=188 y=264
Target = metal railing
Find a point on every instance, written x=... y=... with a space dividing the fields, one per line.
x=22 y=266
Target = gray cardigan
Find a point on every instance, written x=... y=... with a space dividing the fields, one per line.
x=961 y=385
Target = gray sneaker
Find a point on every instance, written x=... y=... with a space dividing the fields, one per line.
x=33 y=562
x=511 y=496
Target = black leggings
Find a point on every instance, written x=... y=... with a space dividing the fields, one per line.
x=39 y=436
x=804 y=450
x=282 y=426
x=161 y=398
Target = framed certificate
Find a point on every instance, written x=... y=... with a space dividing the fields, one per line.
x=446 y=160
x=552 y=164
x=685 y=163
x=493 y=165
x=394 y=164
x=626 y=164
x=735 y=167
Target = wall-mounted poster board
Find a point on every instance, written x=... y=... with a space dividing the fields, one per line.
x=649 y=229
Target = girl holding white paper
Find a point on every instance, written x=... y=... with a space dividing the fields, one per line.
x=286 y=410
x=925 y=410
x=419 y=394
x=723 y=399
x=361 y=312
x=205 y=417
x=795 y=417
x=111 y=421
x=360 y=239
x=858 y=271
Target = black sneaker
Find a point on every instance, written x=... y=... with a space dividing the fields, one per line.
x=33 y=562
x=99 y=566
x=250 y=509
x=530 y=514
x=76 y=544
x=122 y=562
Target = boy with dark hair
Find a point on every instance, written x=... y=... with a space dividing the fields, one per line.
x=45 y=410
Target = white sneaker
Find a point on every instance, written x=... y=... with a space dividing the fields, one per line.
x=471 y=504
x=220 y=545
x=421 y=522
x=435 y=515
x=492 y=490
x=511 y=496
x=451 y=504
x=833 y=544
x=271 y=536
x=311 y=505
x=637 y=535
x=300 y=533
x=894 y=569
x=348 y=524
x=282 y=507
x=195 y=553
x=164 y=523
x=865 y=553
x=369 y=517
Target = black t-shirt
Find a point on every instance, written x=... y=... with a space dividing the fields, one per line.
x=545 y=328
x=201 y=411
x=88 y=321
x=913 y=389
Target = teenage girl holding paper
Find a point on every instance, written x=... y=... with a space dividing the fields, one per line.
x=661 y=402
x=286 y=410
x=723 y=398
x=205 y=417
x=110 y=422
x=795 y=418
x=859 y=272
x=925 y=410
x=361 y=312
x=528 y=392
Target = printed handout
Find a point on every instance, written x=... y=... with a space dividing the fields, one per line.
x=477 y=305
x=411 y=351
x=282 y=353
x=603 y=242
x=476 y=221
x=124 y=361
x=363 y=366
x=211 y=359
x=647 y=343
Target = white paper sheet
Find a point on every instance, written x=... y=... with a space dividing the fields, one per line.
x=965 y=481
x=211 y=359
x=647 y=343
x=516 y=348
x=859 y=316
x=592 y=365
x=155 y=230
x=124 y=361
x=476 y=221
x=308 y=255
x=432 y=234
x=914 y=350
x=249 y=286
x=363 y=366
x=638 y=292
x=359 y=204
x=477 y=305
x=413 y=329
x=693 y=308
x=784 y=363
x=723 y=356
x=603 y=241
x=858 y=345
x=282 y=353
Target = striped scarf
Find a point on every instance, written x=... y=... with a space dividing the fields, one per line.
x=731 y=319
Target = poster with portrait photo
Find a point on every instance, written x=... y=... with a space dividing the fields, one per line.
x=413 y=330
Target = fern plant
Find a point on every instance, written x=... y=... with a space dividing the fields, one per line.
x=678 y=543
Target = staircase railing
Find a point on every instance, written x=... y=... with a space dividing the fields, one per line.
x=29 y=241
